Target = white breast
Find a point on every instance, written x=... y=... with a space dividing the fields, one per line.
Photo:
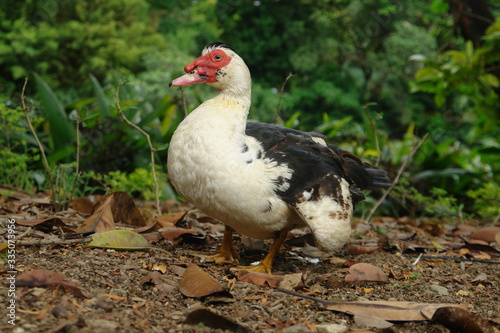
x=215 y=166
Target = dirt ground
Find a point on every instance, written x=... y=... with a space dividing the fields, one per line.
x=138 y=291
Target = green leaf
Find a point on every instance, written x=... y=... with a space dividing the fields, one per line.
x=428 y=73
x=102 y=102
x=490 y=80
x=439 y=99
x=293 y=121
x=62 y=132
x=120 y=240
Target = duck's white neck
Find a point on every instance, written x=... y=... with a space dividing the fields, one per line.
x=235 y=84
x=239 y=94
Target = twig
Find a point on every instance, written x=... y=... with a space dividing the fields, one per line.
x=184 y=103
x=374 y=130
x=396 y=179
x=40 y=146
x=53 y=242
x=26 y=232
x=282 y=90
x=482 y=261
x=151 y=148
x=77 y=171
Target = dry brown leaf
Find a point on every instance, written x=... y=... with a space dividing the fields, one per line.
x=291 y=281
x=151 y=226
x=174 y=233
x=464 y=230
x=153 y=278
x=125 y=211
x=195 y=282
x=177 y=270
x=114 y=207
x=213 y=320
x=47 y=279
x=387 y=310
x=261 y=279
x=82 y=205
x=371 y=322
x=102 y=218
x=365 y=272
x=461 y=320
x=390 y=311
x=358 y=249
x=170 y=219
x=46 y=224
x=487 y=234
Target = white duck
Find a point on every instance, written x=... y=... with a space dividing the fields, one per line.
x=259 y=179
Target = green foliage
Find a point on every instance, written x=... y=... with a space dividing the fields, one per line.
x=354 y=63
x=15 y=153
x=464 y=80
x=137 y=183
x=67 y=40
x=486 y=199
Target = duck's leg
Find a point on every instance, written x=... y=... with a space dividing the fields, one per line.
x=227 y=252
x=266 y=264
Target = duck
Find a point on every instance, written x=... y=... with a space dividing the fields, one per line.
x=261 y=180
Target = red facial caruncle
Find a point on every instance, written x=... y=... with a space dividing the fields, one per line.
x=209 y=64
x=203 y=69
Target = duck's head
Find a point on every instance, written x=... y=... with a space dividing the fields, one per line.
x=218 y=66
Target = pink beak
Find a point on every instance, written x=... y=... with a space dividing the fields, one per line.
x=188 y=79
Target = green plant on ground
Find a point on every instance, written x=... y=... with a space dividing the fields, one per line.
x=138 y=183
x=486 y=199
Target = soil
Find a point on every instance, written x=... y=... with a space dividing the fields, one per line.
x=118 y=295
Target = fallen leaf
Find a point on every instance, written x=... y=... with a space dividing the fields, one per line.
x=114 y=207
x=358 y=249
x=46 y=224
x=174 y=233
x=47 y=279
x=462 y=292
x=371 y=322
x=153 y=278
x=153 y=226
x=102 y=218
x=291 y=281
x=387 y=310
x=3 y=247
x=120 y=240
x=261 y=279
x=464 y=230
x=365 y=272
x=487 y=234
x=82 y=205
x=195 y=282
x=481 y=248
x=170 y=219
x=213 y=320
x=480 y=277
x=159 y=267
x=461 y=320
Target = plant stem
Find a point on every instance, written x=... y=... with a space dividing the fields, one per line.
x=396 y=179
x=282 y=90
x=40 y=146
x=151 y=148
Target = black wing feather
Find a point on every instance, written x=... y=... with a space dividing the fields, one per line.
x=312 y=161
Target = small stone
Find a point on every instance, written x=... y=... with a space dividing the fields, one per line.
x=441 y=291
x=332 y=328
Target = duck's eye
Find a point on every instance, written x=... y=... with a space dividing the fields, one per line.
x=217 y=57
